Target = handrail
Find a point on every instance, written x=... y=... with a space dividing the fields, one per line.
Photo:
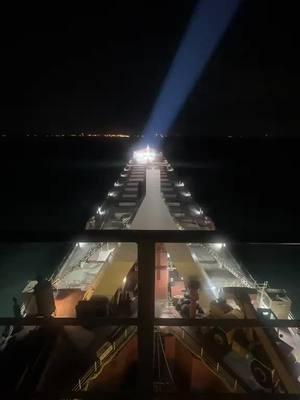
x=222 y=261
x=100 y=363
x=216 y=367
x=62 y=262
x=146 y=241
x=162 y=236
x=109 y=321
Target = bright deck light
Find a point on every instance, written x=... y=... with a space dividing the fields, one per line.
x=186 y=194
x=219 y=246
x=198 y=211
x=100 y=211
x=179 y=184
x=145 y=156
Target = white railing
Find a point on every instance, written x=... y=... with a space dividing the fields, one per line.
x=228 y=264
x=54 y=278
x=233 y=383
x=104 y=355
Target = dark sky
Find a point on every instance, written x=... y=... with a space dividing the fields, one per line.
x=101 y=69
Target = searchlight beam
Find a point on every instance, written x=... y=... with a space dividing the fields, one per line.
x=210 y=20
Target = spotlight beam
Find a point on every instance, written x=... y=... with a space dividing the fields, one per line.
x=209 y=21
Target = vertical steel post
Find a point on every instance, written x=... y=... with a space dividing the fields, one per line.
x=146 y=310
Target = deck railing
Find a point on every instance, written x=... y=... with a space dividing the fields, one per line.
x=146 y=321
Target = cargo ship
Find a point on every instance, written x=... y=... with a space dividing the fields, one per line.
x=193 y=280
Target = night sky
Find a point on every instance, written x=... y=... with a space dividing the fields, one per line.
x=101 y=69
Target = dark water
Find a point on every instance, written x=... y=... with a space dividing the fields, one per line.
x=245 y=185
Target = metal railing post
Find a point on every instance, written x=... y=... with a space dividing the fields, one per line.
x=146 y=310
x=235 y=385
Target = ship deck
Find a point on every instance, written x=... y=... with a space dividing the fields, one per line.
x=101 y=267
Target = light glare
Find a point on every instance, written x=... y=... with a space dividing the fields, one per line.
x=145 y=156
x=100 y=211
